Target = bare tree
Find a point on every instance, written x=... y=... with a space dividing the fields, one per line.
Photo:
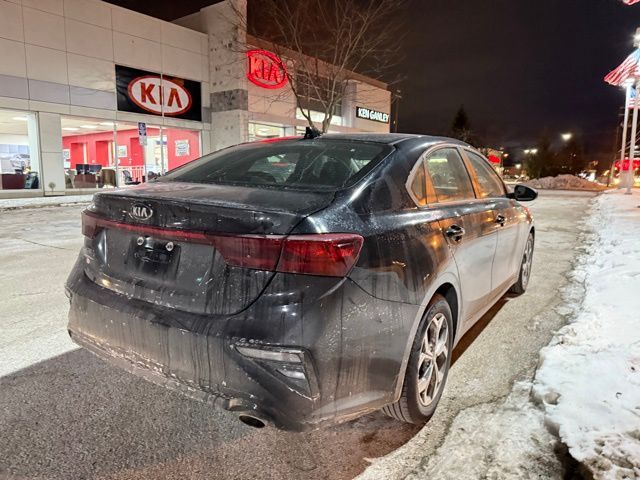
x=330 y=43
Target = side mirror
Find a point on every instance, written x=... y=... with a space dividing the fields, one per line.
x=522 y=193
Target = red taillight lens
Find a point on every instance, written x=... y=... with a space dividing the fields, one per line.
x=326 y=254
x=331 y=254
x=257 y=252
x=89 y=225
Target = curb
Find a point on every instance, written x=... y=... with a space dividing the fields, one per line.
x=43 y=205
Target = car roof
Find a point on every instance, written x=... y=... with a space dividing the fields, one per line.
x=391 y=138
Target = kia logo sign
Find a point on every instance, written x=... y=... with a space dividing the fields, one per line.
x=140 y=212
x=266 y=70
x=152 y=93
x=159 y=95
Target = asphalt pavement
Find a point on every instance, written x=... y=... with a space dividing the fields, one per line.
x=65 y=414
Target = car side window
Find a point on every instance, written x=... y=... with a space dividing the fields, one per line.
x=449 y=176
x=419 y=185
x=488 y=180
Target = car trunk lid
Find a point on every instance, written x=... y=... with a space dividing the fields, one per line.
x=170 y=243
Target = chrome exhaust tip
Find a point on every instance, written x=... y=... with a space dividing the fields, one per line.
x=252 y=421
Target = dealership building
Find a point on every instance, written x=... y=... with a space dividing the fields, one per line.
x=93 y=95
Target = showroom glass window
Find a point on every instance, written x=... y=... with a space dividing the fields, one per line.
x=488 y=180
x=19 y=162
x=164 y=149
x=449 y=176
x=88 y=153
x=91 y=147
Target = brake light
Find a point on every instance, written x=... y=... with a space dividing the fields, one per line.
x=324 y=254
x=259 y=252
x=89 y=225
x=332 y=254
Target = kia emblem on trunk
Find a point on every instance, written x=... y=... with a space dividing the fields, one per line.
x=140 y=212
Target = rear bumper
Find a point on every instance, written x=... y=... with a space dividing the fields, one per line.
x=350 y=347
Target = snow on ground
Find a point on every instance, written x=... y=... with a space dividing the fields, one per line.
x=13 y=203
x=589 y=376
x=564 y=182
x=496 y=440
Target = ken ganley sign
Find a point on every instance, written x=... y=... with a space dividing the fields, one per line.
x=374 y=115
x=152 y=93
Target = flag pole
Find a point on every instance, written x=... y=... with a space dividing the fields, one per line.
x=625 y=126
x=632 y=147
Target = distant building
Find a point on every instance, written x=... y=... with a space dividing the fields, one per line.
x=92 y=94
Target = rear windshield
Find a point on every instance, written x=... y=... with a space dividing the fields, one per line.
x=297 y=164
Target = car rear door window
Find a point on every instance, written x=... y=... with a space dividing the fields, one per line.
x=419 y=185
x=449 y=176
x=488 y=180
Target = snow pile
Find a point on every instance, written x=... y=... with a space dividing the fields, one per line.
x=589 y=376
x=496 y=440
x=564 y=182
x=36 y=202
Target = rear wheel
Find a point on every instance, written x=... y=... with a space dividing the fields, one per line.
x=428 y=366
x=520 y=286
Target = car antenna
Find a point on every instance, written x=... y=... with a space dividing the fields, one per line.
x=310 y=133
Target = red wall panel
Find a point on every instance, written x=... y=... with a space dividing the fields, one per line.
x=98 y=145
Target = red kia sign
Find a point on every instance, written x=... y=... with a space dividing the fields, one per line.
x=152 y=93
x=157 y=95
x=265 y=69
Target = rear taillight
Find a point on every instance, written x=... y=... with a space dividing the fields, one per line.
x=331 y=254
x=89 y=224
x=260 y=252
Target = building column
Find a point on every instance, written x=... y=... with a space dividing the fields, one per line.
x=51 y=163
x=225 y=23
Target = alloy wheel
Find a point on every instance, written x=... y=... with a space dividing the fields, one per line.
x=434 y=351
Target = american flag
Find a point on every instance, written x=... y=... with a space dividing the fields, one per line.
x=630 y=2
x=630 y=68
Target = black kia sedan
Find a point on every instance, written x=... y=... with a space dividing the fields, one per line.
x=302 y=282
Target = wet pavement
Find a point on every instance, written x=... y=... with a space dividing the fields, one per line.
x=66 y=414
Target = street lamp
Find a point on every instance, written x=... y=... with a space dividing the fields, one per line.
x=567 y=136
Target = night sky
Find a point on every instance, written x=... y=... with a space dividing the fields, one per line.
x=518 y=66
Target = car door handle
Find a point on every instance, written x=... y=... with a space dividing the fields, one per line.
x=500 y=219
x=455 y=232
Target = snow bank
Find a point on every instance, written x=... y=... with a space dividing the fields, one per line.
x=496 y=440
x=14 y=203
x=564 y=182
x=589 y=376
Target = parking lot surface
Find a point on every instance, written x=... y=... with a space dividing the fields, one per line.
x=65 y=414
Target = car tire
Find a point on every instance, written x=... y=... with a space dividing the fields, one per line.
x=434 y=337
x=524 y=274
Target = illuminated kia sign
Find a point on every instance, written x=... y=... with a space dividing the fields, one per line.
x=155 y=94
x=265 y=69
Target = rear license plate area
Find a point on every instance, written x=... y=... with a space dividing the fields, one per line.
x=154 y=256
